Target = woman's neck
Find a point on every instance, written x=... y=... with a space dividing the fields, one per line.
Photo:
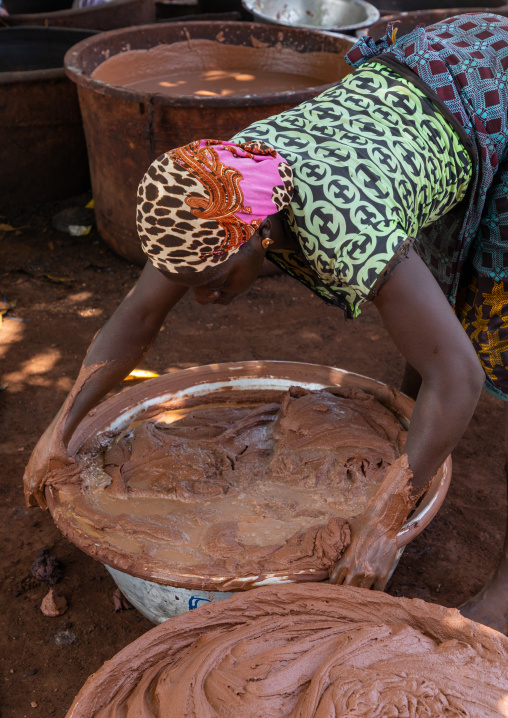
x=281 y=233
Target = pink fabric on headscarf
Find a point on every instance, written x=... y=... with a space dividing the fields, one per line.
x=260 y=175
x=199 y=203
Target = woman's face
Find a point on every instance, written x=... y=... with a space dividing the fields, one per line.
x=221 y=284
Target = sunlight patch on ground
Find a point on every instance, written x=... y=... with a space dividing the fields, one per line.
x=306 y=334
x=65 y=383
x=79 y=297
x=32 y=371
x=10 y=333
x=90 y=312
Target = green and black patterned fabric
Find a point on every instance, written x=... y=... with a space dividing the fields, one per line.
x=373 y=162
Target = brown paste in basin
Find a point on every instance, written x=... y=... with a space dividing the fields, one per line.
x=259 y=483
x=205 y=68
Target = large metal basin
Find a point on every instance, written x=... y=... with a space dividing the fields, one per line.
x=159 y=594
x=408 y=21
x=42 y=144
x=126 y=130
x=59 y=13
x=339 y=15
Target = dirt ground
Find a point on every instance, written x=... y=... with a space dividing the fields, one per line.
x=61 y=290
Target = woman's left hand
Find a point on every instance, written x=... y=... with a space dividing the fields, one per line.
x=369 y=558
x=373 y=549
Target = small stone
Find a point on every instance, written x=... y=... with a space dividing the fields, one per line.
x=46 y=567
x=76 y=221
x=33 y=704
x=30 y=673
x=65 y=638
x=53 y=604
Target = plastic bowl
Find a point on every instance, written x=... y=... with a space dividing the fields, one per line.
x=159 y=594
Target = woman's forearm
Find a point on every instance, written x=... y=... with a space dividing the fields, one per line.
x=441 y=415
x=422 y=324
x=411 y=381
x=121 y=343
x=423 y=327
x=117 y=360
x=114 y=352
x=118 y=347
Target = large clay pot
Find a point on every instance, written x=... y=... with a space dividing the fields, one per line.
x=60 y=13
x=42 y=144
x=126 y=130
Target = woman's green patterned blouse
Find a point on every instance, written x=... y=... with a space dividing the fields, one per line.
x=373 y=161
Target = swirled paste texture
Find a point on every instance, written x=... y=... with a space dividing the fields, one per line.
x=234 y=489
x=306 y=651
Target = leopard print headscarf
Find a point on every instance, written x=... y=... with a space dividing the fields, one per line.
x=199 y=203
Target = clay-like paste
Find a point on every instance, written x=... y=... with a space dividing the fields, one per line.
x=306 y=651
x=206 y=68
x=234 y=489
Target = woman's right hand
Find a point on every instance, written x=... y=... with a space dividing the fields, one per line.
x=48 y=456
x=115 y=351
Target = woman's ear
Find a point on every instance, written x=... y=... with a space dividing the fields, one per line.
x=264 y=234
x=265 y=228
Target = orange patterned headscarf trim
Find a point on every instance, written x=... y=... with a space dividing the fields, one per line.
x=199 y=203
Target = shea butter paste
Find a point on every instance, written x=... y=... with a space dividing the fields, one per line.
x=207 y=68
x=306 y=651
x=264 y=482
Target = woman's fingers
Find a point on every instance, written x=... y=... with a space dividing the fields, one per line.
x=367 y=582
x=343 y=576
x=380 y=584
x=360 y=580
x=338 y=575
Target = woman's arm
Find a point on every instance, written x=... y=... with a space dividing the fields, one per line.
x=116 y=350
x=125 y=339
x=411 y=381
x=424 y=328
x=426 y=331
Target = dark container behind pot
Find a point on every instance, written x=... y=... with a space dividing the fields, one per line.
x=59 y=13
x=390 y=7
x=190 y=10
x=42 y=144
x=409 y=20
x=220 y=5
x=126 y=130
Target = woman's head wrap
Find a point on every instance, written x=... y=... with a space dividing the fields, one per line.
x=199 y=203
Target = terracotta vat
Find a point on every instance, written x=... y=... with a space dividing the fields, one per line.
x=126 y=129
x=152 y=588
x=59 y=13
x=42 y=144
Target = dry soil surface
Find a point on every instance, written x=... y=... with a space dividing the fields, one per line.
x=60 y=291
